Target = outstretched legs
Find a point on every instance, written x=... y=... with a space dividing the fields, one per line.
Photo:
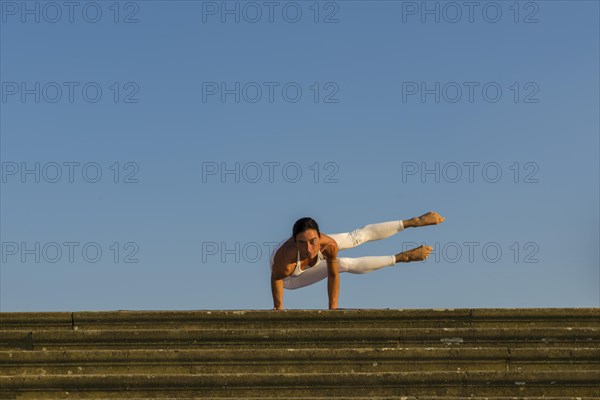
x=382 y=230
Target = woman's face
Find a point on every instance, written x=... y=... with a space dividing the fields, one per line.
x=308 y=243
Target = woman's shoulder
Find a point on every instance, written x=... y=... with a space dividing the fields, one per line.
x=329 y=245
x=286 y=253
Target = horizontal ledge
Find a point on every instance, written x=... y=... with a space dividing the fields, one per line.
x=154 y=316
x=266 y=380
x=307 y=335
x=166 y=356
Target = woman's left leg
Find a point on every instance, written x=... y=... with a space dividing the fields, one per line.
x=362 y=265
x=358 y=265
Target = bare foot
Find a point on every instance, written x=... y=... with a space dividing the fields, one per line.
x=417 y=254
x=430 y=218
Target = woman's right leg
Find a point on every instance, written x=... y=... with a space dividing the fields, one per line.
x=367 y=233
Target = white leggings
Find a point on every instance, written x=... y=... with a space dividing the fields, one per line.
x=359 y=265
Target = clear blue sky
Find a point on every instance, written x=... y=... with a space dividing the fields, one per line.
x=389 y=97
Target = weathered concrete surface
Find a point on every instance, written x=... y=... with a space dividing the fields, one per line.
x=413 y=354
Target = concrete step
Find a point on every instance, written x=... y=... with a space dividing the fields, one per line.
x=256 y=319
x=180 y=395
x=191 y=396
x=481 y=383
x=307 y=360
x=419 y=354
x=320 y=337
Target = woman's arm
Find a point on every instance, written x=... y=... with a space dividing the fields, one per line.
x=333 y=283
x=281 y=268
x=277 y=290
x=333 y=275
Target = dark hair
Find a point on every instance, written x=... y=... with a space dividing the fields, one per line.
x=304 y=224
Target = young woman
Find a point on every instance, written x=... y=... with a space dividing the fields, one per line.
x=309 y=256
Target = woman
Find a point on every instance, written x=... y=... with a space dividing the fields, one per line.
x=309 y=256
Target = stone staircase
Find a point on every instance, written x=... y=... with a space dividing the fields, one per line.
x=302 y=354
